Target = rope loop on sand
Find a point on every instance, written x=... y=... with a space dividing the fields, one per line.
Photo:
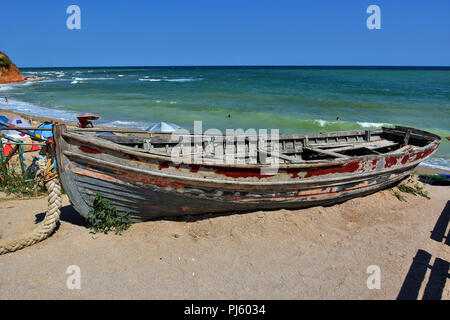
x=48 y=176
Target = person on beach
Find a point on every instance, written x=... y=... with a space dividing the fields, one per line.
x=6 y=100
x=86 y=124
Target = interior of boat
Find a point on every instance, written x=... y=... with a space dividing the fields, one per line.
x=292 y=148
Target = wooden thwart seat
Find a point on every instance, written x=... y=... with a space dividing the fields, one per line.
x=367 y=145
x=326 y=152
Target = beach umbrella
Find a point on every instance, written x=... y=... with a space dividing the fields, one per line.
x=45 y=134
x=162 y=127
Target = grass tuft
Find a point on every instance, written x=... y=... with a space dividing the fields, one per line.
x=105 y=217
x=398 y=195
x=13 y=182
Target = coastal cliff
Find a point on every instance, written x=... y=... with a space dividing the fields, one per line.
x=8 y=70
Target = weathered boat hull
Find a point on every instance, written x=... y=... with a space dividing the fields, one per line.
x=150 y=187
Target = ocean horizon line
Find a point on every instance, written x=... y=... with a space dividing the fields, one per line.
x=317 y=67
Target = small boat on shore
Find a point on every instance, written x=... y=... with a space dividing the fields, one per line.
x=140 y=175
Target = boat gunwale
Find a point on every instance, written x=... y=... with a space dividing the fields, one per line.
x=362 y=176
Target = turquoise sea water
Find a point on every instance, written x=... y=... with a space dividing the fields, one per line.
x=294 y=100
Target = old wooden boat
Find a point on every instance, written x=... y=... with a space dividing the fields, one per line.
x=138 y=174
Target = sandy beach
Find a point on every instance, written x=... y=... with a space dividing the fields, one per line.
x=314 y=253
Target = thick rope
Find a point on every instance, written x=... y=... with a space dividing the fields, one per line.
x=45 y=175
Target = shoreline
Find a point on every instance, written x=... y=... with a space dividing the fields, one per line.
x=24 y=79
x=11 y=81
x=426 y=170
x=34 y=120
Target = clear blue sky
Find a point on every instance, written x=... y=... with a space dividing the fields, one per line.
x=225 y=32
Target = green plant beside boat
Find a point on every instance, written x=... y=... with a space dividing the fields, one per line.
x=105 y=217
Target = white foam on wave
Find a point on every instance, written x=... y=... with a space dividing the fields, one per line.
x=61 y=113
x=18 y=85
x=30 y=72
x=44 y=74
x=5 y=87
x=38 y=110
x=171 y=80
x=125 y=124
x=183 y=79
x=15 y=85
x=86 y=79
x=77 y=81
x=436 y=163
x=372 y=124
x=321 y=122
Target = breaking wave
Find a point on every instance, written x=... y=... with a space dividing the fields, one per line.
x=171 y=80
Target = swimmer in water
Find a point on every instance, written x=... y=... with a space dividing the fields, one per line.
x=6 y=99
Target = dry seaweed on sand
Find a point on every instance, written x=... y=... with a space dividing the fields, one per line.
x=410 y=187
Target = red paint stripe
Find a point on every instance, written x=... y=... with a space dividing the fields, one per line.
x=405 y=159
x=163 y=165
x=423 y=154
x=293 y=172
x=349 y=167
x=89 y=150
x=242 y=173
x=194 y=168
x=389 y=162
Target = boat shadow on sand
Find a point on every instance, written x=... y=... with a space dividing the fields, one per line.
x=68 y=214
x=421 y=263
